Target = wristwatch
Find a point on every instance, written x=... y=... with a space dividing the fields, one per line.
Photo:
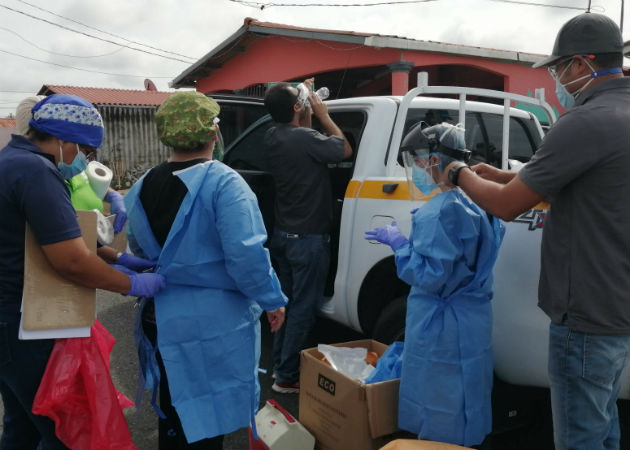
x=453 y=173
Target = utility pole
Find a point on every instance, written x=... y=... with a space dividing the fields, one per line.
x=620 y=20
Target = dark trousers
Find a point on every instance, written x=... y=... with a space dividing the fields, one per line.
x=302 y=267
x=170 y=432
x=22 y=365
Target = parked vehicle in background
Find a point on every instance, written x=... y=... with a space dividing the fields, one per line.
x=237 y=113
x=370 y=189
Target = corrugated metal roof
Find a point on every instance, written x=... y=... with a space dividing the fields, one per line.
x=104 y=96
x=7 y=123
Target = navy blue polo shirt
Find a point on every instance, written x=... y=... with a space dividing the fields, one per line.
x=31 y=190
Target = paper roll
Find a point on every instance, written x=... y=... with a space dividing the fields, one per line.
x=104 y=229
x=99 y=176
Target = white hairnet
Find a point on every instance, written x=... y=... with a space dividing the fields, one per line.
x=23 y=112
x=451 y=136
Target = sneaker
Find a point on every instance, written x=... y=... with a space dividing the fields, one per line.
x=286 y=388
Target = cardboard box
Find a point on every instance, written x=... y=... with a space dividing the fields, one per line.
x=341 y=412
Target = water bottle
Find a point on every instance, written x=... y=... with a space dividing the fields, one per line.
x=322 y=93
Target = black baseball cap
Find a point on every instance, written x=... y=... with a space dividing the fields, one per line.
x=586 y=34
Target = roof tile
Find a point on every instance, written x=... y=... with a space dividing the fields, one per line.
x=104 y=96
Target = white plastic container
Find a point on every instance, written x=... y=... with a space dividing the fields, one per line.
x=278 y=430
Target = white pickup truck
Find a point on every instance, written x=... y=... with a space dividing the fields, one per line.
x=370 y=189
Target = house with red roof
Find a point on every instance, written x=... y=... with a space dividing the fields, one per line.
x=355 y=64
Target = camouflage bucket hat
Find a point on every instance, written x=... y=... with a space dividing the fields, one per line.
x=186 y=120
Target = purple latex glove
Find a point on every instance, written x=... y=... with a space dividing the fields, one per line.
x=146 y=284
x=389 y=234
x=122 y=269
x=135 y=263
x=117 y=207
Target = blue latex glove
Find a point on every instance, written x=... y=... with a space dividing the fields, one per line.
x=135 y=263
x=122 y=269
x=117 y=207
x=389 y=234
x=146 y=284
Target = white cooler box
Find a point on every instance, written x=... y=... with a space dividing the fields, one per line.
x=278 y=430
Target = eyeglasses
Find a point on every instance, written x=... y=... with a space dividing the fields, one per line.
x=553 y=70
x=89 y=152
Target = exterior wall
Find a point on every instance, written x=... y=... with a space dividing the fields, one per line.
x=275 y=58
x=131 y=145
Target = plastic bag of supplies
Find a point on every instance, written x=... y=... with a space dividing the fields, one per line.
x=78 y=394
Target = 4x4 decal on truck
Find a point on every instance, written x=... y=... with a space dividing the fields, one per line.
x=534 y=217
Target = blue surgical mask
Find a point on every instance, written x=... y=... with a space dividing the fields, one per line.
x=79 y=163
x=564 y=97
x=422 y=180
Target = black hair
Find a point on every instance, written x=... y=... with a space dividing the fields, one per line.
x=35 y=135
x=608 y=60
x=279 y=101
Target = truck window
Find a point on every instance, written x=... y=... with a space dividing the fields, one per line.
x=248 y=153
x=523 y=145
x=484 y=133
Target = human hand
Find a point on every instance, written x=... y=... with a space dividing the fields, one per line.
x=146 y=284
x=276 y=318
x=488 y=172
x=317 y=105
x=389 y=234
x=122 y=269
x=117 y=207
x=135 y=263
x=309 y=83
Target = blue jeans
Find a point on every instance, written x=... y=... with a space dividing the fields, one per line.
x=302 y=267
x=584 y=374
x=22 y=365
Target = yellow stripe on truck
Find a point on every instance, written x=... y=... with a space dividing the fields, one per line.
x=374 y=189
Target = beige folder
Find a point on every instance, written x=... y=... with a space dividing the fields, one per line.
x=49 y=300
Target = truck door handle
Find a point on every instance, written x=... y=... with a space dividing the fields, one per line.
x=388 y=188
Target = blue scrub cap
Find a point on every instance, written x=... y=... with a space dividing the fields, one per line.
x=69 y=118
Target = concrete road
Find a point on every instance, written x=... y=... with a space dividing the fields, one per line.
x=117 y=314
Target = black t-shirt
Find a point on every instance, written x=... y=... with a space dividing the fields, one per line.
x=162 y=194
x=297 y=159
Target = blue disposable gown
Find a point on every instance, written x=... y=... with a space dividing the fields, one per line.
x=218 y=278
x=446 y=379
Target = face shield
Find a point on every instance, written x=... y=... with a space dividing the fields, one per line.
x=425 y=153
x=421 y=168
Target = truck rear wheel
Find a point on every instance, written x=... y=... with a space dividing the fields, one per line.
x=390 y=325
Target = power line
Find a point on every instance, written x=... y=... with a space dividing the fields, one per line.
x=105 y=32
x=90 y=35
x=59 y=54
x=263 y=5
x=78 y=68
x=538 y=4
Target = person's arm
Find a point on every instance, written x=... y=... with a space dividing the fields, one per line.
x=321 y=112
x=506 y=201
x=108 y=254
x=74 y=261
x=488 y=172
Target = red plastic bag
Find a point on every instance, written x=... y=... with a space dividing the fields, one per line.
x=78 y=394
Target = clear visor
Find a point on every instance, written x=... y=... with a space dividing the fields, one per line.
x=420 y=172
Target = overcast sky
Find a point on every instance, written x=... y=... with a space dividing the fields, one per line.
x=191 y=28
